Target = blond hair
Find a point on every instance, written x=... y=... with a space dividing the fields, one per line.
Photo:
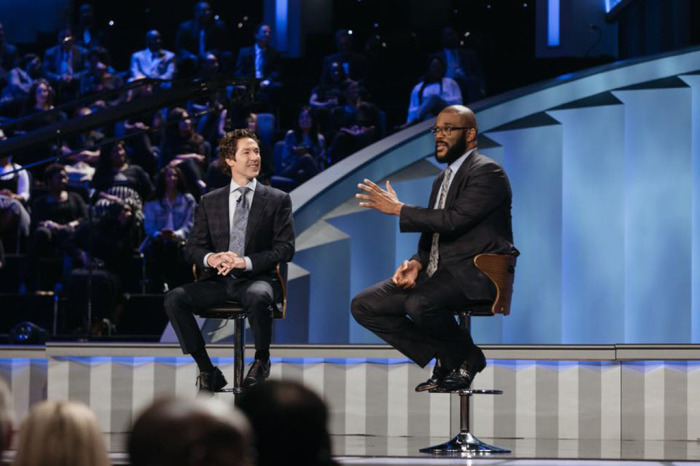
x=58 y=433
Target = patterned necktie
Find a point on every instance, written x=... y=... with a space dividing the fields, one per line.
x=434 y=247
x=240 y=222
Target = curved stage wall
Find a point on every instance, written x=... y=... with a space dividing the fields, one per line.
x=605 y=170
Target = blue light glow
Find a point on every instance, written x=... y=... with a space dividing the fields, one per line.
x=553 y=23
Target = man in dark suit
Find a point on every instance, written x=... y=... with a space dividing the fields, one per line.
x=261 y=61
x=201 y=35
x=469 y=214
x=354 y=64
x=241 y=231
x=64 y=65
x=462 y=65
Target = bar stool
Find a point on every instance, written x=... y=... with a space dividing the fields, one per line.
x=500 y=269
x=233 y=310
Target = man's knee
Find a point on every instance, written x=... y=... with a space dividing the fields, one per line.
x=175 y=299
x=416 y=306
x=359 y=307
x=259 y=295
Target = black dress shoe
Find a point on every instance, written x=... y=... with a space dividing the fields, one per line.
x=258 y=372
x=462 y=377
x=211 y=381
x=439 y=373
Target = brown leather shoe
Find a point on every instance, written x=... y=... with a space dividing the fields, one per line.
x=439 y=373
x=211 y=381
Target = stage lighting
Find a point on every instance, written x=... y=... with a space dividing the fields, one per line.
x=27 y=333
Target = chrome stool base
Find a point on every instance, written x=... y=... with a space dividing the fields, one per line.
x=465 y=444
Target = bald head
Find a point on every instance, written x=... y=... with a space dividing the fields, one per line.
x=465 y=113
x=203 y=431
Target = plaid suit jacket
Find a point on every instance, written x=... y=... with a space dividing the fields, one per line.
x=269 y=234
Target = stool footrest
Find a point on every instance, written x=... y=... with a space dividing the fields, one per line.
x=464 y=445
x=469 y=392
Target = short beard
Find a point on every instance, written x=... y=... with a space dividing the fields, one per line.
x=454 y=152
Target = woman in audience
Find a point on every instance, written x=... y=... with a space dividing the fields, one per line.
x=116 y=180
x=356 y=123
x=168 y=219
x=61 y=433
x=184 y=147
x=433 y=94
x=304 y=153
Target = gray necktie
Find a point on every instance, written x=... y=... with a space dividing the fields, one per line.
x=434 y=247
x=236 y=242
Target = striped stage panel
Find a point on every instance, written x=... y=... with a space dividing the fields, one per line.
x=550 y=392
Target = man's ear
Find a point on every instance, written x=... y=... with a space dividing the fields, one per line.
x=471 y=135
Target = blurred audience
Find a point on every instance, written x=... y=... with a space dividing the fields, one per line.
x=261 y=61
x=184 y=147
x=87 y=34
x=290 y=423
x=355 y=123
x=191 y=432
x=8 y=56
x=354 y=64
x=60 y=433
x=14 y=199
x=19 y=84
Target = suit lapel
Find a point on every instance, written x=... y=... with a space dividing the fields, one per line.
x=256 y=212
x=460 y=177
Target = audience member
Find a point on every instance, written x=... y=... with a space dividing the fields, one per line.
x=200 y=35
x=19 y=83
x=433 y=94
x=462 y=65
x=118 y=181
x=184 y=147
x=7 y=416
x=354 y=64
x=356 y=123
x=40 y=101
x=8 y=56
x=290 y=423
x=55 y=217
x=262 y=62
x=141 y=134
x=153 y=61
x=191 y=432
x=87 y=34
x=304 y=154
x=64 y=65
x=99 y=77
x=328 y=93
x=14 y=196
x=168 y=219
x=60 y=433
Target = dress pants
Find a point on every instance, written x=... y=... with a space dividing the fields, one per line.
x=257 y=296
x=420 y=323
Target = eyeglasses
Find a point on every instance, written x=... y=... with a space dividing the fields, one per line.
x=446 y=130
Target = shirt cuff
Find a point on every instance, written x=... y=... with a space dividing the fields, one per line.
x=248 y=264
x=206 y=264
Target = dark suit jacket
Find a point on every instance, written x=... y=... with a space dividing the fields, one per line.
x=245 y=64
x=52 y=62
x=476 y=219
x=187 y=38
x=269 y=234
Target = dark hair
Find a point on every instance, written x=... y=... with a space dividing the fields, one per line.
x=26 y=58
x=182 y=187
x=427 y=74
x=52 y=170
x=101 y=53
x=313 y=132
x=229 y=144
x=103 y=172
x=31 y=98
x=289 y=424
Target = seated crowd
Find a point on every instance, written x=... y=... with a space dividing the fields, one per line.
x=129 y=189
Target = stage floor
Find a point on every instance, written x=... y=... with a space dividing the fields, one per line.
x=375 y=450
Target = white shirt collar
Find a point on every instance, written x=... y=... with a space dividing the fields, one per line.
x=455 y=166
x=252 y=185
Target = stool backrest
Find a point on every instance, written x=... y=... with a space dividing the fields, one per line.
x=500 y=268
